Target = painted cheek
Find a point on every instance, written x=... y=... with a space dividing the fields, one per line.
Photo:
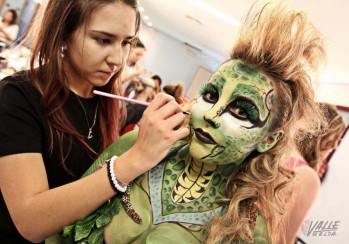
x=243 y=138
x=198 y=111
x=233 y=153
x=231 y=126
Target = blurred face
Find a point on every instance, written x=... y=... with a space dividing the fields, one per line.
x=145 y=90
x=136 y=55
x=157 y=83
x=328 y=144
x=8 y=17
x=98 y=49
x=231 y=115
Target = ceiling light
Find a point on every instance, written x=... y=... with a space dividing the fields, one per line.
x=206 y=7
x=141 y=9
x=145 y=17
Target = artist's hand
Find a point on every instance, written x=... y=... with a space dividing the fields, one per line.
x=159 y=128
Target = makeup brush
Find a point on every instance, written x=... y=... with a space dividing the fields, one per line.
x=127 y=99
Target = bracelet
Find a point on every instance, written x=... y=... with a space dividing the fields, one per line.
x=117 y=184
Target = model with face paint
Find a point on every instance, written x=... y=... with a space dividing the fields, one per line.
x=232 y=115
x=229 y=181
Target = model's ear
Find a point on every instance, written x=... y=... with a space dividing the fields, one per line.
x=270 y=141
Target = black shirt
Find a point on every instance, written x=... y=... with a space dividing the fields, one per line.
x=24 y=129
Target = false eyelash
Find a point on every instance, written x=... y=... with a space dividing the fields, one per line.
x=250 y=109
x=207 y=88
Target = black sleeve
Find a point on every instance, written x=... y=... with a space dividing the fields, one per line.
x=20 y=126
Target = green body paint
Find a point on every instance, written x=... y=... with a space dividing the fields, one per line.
x=178 y=197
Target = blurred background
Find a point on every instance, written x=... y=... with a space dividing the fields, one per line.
x=188 y=39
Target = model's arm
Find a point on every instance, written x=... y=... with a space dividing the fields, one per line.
x=304 y=194
x=39 y=212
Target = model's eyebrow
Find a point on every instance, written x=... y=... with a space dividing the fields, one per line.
x=220 y=80
x=111 y=35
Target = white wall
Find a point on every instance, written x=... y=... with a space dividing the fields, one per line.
x=173 y=60
x=333 y=93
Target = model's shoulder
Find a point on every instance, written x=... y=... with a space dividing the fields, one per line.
x=307 y=174
x=307 y=184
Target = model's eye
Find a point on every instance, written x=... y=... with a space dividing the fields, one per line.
x=244 y=110
x=238 y=113
x=209 y=93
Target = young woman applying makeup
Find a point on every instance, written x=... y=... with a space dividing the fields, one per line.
x=53 y=127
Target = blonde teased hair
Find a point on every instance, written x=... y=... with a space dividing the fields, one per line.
x=287 y=48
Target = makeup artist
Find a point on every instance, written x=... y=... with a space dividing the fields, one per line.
x=53 y=127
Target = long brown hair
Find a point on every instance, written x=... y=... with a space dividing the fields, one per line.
x=58 y=22
x=285 y=46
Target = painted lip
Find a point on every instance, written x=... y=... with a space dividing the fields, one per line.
x=204 y=136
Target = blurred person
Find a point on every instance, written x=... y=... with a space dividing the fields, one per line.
x=317 y=149
x=175 y=90
x=8 y=27
x=132 y=69
x=158 y=82
x=145 y=91
x=136 y=85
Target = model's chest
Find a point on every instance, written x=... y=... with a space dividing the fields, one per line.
x=171 y=203
x=183 y=192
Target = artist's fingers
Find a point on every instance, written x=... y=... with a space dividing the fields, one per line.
x=160 y=100
x=181 y=133
x=176 y=120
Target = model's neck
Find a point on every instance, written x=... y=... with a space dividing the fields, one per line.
x=225 y=170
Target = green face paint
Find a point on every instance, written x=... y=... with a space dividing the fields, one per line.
x=231 y=115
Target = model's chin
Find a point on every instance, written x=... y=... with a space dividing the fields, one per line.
x=199 y=150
